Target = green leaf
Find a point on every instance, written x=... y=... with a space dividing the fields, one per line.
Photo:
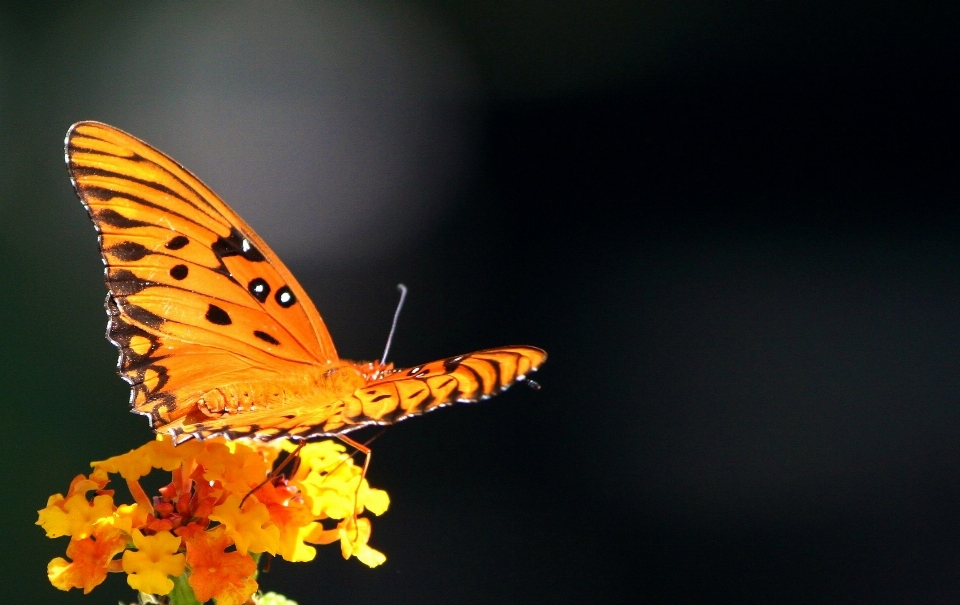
x=182 y=594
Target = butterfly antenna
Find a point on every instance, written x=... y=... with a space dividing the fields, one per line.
x=393 y=328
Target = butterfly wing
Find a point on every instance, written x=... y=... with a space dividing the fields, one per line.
x=196 y=298
x=400 y=395
x=461 y=379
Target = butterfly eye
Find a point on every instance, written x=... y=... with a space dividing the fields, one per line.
x=285 y=297
x=259 y=288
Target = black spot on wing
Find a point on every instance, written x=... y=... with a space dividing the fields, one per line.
x=179 y=272
x=128 y=251
x=285 y=297
x=177 y=243
x=216 y=315
x=109 y=216
x=266 y=337
x=141 y=315
x=236 y=245
x=259 y=288
x=124 y=282
x=451 y=364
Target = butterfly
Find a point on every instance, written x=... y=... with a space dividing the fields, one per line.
x=216 y=337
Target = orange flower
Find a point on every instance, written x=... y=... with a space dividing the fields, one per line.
x=184 y=532
x=91 y=556
x=225 y=576
x=290 y=512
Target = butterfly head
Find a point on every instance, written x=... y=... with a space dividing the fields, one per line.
x=375 y=370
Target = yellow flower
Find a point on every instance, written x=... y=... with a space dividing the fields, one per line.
x=156 y=558
x=194 y=528
x=293 y=546
x=374 y=500
x=330 y=478
x=353 y=541
x=127 y=517
x=74 y=515
x=272 y=598
x=353 y=536
x=139 y=462
x=237 y=468
x=249 y=527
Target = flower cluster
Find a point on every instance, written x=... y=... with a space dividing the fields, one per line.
x=223 y=508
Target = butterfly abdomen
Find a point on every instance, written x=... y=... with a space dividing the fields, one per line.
x=241 y=397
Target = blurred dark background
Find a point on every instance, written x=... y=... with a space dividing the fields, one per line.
x=733 y=226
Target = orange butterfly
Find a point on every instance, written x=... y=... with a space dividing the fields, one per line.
x=216 y=336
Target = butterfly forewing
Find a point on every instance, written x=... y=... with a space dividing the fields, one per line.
x=196 y=298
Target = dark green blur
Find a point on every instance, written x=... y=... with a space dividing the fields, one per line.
x=733 y=228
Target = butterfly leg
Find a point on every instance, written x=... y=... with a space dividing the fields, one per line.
x=367 y=453
x=294 y=455
x=363 y=449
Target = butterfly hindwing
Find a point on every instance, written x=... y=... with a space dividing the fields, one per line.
x=398 y=396
x=461 y=379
